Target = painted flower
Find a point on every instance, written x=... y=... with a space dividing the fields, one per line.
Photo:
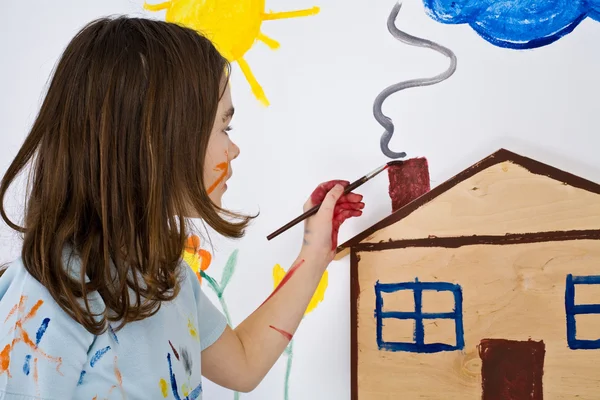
x=197 y=258
x=279 y=273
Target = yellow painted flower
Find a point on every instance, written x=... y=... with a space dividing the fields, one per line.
x=279 y=273
x=197 y=258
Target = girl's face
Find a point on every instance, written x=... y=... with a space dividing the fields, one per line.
x=221 y=151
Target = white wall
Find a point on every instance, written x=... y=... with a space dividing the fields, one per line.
x=321 y=84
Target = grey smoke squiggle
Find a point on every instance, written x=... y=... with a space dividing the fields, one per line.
x=385 y=121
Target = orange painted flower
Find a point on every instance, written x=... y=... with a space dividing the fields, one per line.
x=197 y=258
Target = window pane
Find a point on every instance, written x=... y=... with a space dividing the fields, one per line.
x=401 y=300
x=398 y=330
x=587 y=326
x=440 y=331
x=437 y=302
x=587 y=294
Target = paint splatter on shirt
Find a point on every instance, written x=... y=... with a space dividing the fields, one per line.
x=44 y=354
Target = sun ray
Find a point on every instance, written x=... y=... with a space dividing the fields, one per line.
x=256 y=88
x=157 y=7
x=290 y=14
x=232 y=25
x=272 y=43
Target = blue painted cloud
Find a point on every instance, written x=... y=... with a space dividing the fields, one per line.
x=516 y=24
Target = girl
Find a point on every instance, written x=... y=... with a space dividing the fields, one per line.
x=131 y=140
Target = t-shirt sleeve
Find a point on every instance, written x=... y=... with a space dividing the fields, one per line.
x=211 y=321
x=42 y=349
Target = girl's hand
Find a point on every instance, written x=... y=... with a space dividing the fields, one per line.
x=321 y=229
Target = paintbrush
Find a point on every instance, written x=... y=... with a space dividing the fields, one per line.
x=347 y=190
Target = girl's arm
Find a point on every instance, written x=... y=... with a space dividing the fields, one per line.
x=241 y=357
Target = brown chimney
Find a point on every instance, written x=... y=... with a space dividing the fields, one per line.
x=409 y=179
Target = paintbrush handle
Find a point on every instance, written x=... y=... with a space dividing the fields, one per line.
x=314 y=210
x=294 y=222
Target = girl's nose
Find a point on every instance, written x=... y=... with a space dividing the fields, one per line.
x=234 y=152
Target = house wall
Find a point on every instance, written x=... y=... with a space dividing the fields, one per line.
x=512 y=292
x=505 y=198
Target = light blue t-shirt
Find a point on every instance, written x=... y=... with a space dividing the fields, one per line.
x=45 y=354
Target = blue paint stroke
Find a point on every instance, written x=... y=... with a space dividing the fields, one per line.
x=173 y=380
x=80 y=382
x=515 y=24
x=41 y=331
x=113 y=334
x=98 y=356
x=418 y=345
x=195 y=393
x=26 y=368
x=572 y=310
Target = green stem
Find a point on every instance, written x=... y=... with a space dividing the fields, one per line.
x=288 y=369
x=215 y=288
x=225 y=309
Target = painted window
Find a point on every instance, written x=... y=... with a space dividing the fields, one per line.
x=422 y=320
x=582 y=318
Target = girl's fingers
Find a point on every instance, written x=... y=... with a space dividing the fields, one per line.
x=319 y=194
x=350 y=198
x=350 y=206
x=345 y=214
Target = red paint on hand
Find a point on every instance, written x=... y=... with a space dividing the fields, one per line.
x=347 y=206
x=287 y=335
x=408 y=181
x=285 y=279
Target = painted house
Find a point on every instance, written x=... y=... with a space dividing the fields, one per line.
x=486 y=287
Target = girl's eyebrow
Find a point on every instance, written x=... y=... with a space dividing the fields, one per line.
x=228 y=114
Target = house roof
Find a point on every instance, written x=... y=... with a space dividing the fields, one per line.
x=499 y=156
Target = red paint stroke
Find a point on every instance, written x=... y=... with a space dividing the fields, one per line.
x=408 y=181
x=174 y=351
x=287 y=335
x=285 y=279
x=512 y=369
x=224 y=167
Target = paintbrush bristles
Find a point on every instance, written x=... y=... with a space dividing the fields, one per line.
x=375 y=171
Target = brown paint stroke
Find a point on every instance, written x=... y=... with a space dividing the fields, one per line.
x=512 y=370
x=498 y=157
x=499 y=240
x=285 y=334
x=174 y=351
x=354 y=293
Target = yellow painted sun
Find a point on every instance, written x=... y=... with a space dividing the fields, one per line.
x=232 y=25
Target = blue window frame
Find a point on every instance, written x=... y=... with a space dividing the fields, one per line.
x=418 y=344
x=572 y=310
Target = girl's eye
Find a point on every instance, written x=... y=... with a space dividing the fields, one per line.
x=228 y=129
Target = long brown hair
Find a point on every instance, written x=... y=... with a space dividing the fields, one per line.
x=117 y=153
